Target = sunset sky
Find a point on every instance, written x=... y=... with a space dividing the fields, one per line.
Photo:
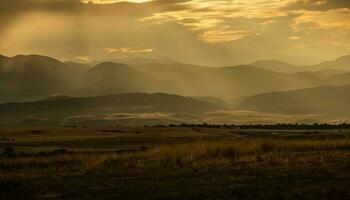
x=208 y=32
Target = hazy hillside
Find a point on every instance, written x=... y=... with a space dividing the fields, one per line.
x=140 y=61
x=227 y=82
x=78 y=66
x=276 y=66
x=137 y=109
x=212 y=100
x=33 y=76
x=321 y=70
x=326 y=100
x=340 y=79
x=248 y=80
x=342 y=63
x=111 y=78
x=325 y=73
x=102 y=107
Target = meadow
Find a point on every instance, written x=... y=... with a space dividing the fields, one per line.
x=174 y=163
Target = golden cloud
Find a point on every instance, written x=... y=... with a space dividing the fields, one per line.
x=84 y=59
x=128 y=50
x=217 y=36
x=208 y=16
x=336 y=19
x=114 y=1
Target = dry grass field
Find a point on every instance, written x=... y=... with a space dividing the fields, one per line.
x=174 y=163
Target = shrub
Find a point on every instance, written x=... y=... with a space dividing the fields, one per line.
x=9 y=152
x=60 y=152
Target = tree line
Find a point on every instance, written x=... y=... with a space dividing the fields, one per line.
x=279 y=126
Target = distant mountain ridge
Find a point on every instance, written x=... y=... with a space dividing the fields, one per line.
x=109 y=78
x=155 y=102
x=342 y=63
x=325 y=100
x=227 y=82
x=34 y=77
x=60 y=108
x=133 y=109
x=276 y=66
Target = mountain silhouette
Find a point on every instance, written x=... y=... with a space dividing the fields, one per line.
x=321 y=70
x=342 y=63
x=325 y=100
x=109 y=78
x=227 y=82
x=100 y=107
x=276 y=66
x=32 y=77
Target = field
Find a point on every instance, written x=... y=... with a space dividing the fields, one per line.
x=174 y=163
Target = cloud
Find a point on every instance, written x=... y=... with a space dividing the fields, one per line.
x=114 y=1
x=336 y=19
x=128 y=50
x=320 y=5
x=15 y=6
x=84 y=59
x=295 y=37
x=217 y=36
x=211 y=32
x=211 y=18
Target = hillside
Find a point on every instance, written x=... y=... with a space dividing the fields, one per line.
x=340 y=79
x=342 y=63
x=325 y=73
x=322 y=70
x=102 y=108
x=276 y=66
x=227 y=82
x=212 y=100
x=78 y=66
x=111 y=78
x=249 y=80
x=326 y=100
x=32 y=77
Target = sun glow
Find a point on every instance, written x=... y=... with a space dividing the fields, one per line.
x=114 y=1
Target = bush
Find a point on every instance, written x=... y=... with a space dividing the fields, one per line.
x=60 y=152
x=9 y=152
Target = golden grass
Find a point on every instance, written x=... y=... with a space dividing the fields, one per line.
x=206 y=165
x=198 y=154
x=228 y=151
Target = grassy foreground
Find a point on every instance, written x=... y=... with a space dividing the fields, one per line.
x=242 y=169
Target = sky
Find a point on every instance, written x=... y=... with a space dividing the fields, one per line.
x=206 y=32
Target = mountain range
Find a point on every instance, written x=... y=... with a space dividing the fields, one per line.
x=46 y=88
x=340 y=64
x=135 y=109
x=326 y=100
x=227 y=82
x=32 y=77
x=63 y=109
